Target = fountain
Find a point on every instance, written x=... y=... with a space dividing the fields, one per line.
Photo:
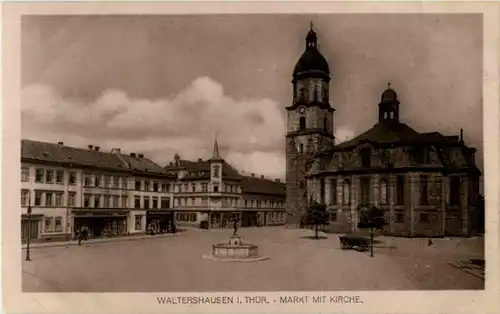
x=235 y=250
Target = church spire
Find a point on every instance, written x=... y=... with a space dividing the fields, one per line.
x=216 y=155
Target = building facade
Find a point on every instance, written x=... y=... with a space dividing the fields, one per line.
x=427 y=183
x=211 y=193
x=110 y=193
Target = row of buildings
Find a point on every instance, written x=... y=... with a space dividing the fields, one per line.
x=113 y=193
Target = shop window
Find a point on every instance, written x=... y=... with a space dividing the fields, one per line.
x=47 y=226
x=424 y=217
x=49 y=176
x=58 y=224
x=138 y=222
x=39 y=176
x=192 y=217
x=400 y=217
x=25 y=174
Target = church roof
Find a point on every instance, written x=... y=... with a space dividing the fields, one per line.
x=386 y=133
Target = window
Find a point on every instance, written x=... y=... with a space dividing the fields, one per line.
x=454 y=191
x=124 y=183
x=86 y=200
x=137 y=185
x=347 y=192
x=137 y=201
x=58 y=224
x=204 y=187
x=59 y=199
x=105 y=202
x=400 y=190
x=25 y=174
x=49 y=176
x=106 y=180
x=71 y=198
x=48 y=199
x=138 y=222
x=166 y=187
x=25 y=197
x=72 y=178
x=216 y=188
x=156 y=187
x=364 y=189
x=97 y=180
x=333 y=216
x=216 y=170
x=125 y=201
x=301 y=150
x=186 y=188
x=400 y=217
x=193 y=187
x=383 y=192
x=424 y=197
x=366 y=156
x=146 y=185
x=39 y=175
x=146 y=202
x=204 y=201
x=325 y=124
x=115 y=182
x=59 y=176
x=165 y=202
x=116 y=201
x=155 y=202
x=322 y=189
x=302 y=123
x=47 y=226
x=424 y=217
x=97 y=201
x=87 y=181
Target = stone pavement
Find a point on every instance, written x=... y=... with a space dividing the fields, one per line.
x=175 y=263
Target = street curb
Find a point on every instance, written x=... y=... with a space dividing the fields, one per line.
x=121 y=239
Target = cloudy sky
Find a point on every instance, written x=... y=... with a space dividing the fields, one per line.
x=164 y=84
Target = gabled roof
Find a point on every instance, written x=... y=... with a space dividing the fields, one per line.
x=35 y=151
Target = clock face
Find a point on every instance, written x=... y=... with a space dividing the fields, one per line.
x=302 y=109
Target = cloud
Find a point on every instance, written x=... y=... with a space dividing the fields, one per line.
x=251 y=132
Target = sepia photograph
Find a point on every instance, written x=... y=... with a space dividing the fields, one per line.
x=186 y=154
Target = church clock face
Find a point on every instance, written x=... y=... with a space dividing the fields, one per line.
x=302 y=109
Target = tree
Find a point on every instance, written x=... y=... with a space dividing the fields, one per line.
x=316 y=216
x=371 y=217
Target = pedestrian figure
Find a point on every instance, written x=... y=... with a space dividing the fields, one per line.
x=235 y=225
x=429 y=242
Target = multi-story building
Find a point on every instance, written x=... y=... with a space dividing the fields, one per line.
x=110 y=193
x=211 y=193
x=427 y=183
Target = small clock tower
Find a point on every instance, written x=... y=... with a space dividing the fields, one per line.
x=309 y=124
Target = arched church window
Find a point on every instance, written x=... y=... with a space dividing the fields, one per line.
x=346 y=192
x=302 y=123
x=383 y=191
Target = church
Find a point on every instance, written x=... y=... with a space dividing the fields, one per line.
x=426 y=183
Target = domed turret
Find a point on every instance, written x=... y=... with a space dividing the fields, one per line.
x=311 y=61
x=389 y=105
x=389 y=95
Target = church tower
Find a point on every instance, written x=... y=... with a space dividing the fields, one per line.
x=309 y=124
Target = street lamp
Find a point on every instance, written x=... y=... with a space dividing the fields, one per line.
x=29 y=235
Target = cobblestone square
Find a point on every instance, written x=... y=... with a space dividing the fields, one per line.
x=175 y=264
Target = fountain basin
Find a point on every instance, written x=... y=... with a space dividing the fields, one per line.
x=235 y=251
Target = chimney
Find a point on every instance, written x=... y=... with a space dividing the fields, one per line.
x=141 y=155
x=200 y=160
x=277 y=180
x=91 y=147
x=253 y=175
x=262 y=177
x=97 y=148
x=132 y=154
x=60 y=143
